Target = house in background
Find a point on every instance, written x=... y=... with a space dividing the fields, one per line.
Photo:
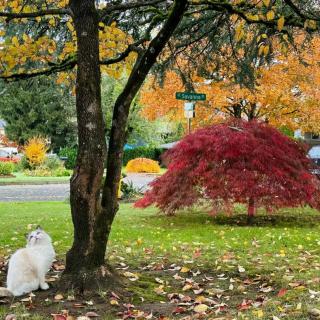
x=312 y=139
x=2 y=126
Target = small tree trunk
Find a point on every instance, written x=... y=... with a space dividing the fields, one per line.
x=89 y=244
x=122 y=106
x=251 y=211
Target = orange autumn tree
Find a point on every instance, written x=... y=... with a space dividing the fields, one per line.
x=286 y=93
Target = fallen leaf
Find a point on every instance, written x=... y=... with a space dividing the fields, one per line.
x=241 y=269
x=58 y=297
x=159 y=280
x=184 y=270
x=92 y=314
x=113 y=302
x=282 y=292
x=200 y=308
x=59 y=316
x=179 y=310
x=187 y=287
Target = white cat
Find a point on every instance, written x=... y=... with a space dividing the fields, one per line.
x=28 y=266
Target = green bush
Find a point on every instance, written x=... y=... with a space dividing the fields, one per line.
x=6 y=168
x=130 y=192
x=52 y=163
x=142 y=152
x=71 y=154
x=62 y=172
x=23 y=164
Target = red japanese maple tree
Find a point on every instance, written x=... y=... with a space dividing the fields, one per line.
x=235 y=162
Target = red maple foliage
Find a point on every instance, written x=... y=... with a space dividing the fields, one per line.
x=235 y=162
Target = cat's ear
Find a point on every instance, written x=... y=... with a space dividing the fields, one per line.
x=38 y=228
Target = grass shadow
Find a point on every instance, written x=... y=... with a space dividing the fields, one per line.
x=279 y=220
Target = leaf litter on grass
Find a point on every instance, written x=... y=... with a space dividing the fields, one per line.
x=223 y=271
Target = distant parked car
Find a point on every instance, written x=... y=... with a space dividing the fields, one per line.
x=314 y=154
x=7 y=156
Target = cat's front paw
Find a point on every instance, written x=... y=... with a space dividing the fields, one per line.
x=44 y=286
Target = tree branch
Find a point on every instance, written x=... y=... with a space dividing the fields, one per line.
x=41 y=13
x=128 y=6
x=70 y=63
x=134 y=47
x=65 y=65
x=223 y=6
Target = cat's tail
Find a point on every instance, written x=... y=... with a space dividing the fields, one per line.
x=4 y=292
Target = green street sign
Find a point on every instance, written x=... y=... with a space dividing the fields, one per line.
x=190 y=96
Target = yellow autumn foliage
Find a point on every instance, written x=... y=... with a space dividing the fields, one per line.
x=35 y=151
x=143 y=165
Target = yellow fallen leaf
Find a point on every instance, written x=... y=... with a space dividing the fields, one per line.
x=187 y=287
x=259 y=313
x=200 y=308
x=184 y=269
x=58 y=297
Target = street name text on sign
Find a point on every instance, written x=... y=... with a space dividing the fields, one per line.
x=190 y=96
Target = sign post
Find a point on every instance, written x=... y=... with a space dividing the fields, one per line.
x=189 y=107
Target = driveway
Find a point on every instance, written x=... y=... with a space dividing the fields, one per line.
x=58 y=192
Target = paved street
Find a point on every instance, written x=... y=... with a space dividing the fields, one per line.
x=56 y=192
x=48 y=192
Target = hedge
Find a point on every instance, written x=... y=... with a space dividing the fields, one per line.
x=129 y=154
x=142 y=152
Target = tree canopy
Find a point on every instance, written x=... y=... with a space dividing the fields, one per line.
x=285 y=92
x=39 y=107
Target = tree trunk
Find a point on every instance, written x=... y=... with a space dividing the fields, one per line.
x=89 y=244
x=91 y=218
x=122 y=106
x=251 y=211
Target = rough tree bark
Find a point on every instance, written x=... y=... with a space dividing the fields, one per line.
x=88 y=249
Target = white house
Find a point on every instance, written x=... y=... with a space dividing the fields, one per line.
x=2 y=126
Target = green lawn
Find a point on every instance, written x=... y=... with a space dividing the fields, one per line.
x=252 y=265
x=22 y=178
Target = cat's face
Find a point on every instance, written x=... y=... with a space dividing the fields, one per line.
x=38 y=237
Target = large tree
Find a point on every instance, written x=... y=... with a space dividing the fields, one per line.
x=150 y=24
x=92 y=216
